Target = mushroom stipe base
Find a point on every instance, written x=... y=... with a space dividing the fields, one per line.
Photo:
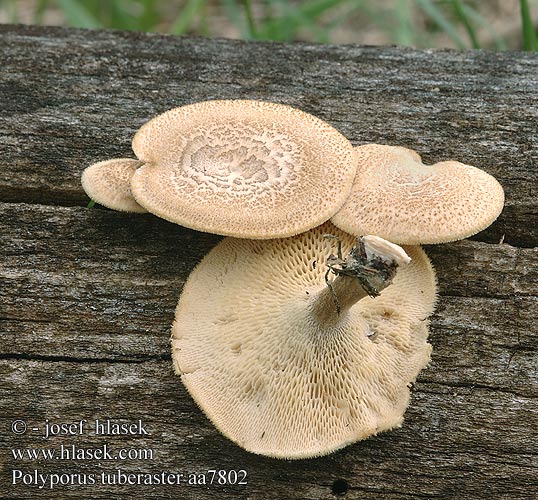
x=373 y=272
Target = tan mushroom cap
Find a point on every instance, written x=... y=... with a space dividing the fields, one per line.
x=272 y=378
x=242 y=168
x=109 y=184
x=397 y=197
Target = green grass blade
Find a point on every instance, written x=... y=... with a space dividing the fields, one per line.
x=182 y=23
x=136 y=15
x=253 y=32
x=203 y=27
x=78 y=15
x=118 y=16
x=342 y=16
x=150 y=19
x=90 y=204
x=530 y=41
x=236 y=16
x=39 y=11
x=437 y=16
x=12 y=11
x=478 y=19
x=295 y=17
x=314 y=9
x=403 y=35
x=462 y=16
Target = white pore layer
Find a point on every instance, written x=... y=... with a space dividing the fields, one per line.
x=271 y=377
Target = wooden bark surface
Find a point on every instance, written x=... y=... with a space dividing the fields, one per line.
x=87 y=296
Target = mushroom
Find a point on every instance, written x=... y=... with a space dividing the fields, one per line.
x=397 y=197
x=109 y=184
x=242 y=168
x=285 y=365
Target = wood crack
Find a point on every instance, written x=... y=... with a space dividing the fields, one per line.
x=70 y=359
x=473 y=385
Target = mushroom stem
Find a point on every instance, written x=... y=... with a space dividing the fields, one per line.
x=368 y=269
x=331 y=302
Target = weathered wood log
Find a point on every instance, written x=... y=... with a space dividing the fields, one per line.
x=87 y=296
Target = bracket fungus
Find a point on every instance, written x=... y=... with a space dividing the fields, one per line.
x=243 y=168
x=397 y=197
x=282 y=371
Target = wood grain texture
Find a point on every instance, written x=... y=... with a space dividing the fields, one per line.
x=87 y=297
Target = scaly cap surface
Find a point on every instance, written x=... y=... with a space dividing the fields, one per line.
x=109 y=184
x=397 y=197
x=242 y=168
